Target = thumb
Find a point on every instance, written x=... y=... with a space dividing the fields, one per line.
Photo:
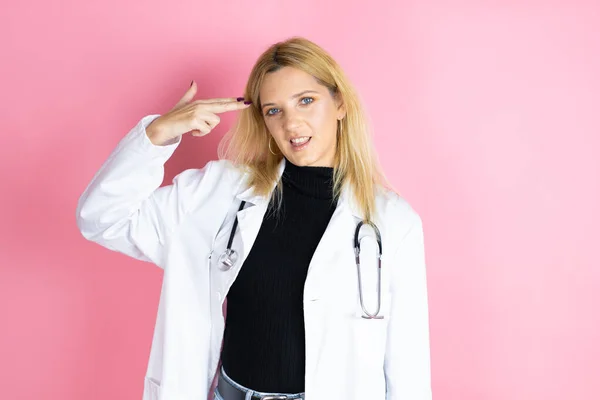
x=189 y=95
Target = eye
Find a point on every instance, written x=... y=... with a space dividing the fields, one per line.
x=306 y=100
x=272 y=111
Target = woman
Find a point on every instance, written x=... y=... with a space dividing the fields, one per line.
x=271 y=226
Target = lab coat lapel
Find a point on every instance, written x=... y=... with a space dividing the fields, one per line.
x=251 y=217
x=249 y=223
x=335 y=246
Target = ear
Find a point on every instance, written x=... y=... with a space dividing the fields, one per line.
x=341 y=106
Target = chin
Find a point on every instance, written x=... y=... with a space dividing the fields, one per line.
x=298 y=161
x=306 y=160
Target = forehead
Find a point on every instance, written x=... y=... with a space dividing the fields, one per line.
x=286 y=82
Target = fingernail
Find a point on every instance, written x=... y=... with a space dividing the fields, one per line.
x=192 y=83
x=240 y=98
x=247 y=102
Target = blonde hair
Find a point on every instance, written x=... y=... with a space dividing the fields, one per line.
x=247 y=143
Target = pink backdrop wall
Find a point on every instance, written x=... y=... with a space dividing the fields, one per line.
x=487 y=119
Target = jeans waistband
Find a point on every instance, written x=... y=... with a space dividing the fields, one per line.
x=228 y=389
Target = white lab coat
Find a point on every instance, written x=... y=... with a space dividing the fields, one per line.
x=178 y=227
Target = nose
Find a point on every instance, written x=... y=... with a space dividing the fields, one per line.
x=291 y=121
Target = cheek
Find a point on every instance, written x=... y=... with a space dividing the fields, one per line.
x=324 y=118
x=325 y=125
x=271 y=126
x=275 y=129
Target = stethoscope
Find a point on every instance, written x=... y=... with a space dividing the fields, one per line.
x=366 y=314
x=229 y=258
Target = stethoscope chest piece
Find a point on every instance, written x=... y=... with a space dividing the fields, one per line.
x=228 y=259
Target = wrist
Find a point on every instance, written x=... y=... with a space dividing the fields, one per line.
x=155 y=134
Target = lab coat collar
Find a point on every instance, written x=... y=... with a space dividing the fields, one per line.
x=247 y=194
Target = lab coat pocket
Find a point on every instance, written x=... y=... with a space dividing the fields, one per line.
x=370 y=333
x=151 y=389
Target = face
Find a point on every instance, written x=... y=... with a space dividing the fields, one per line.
x=302 y=116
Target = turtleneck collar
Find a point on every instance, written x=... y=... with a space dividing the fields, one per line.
x=311 y=181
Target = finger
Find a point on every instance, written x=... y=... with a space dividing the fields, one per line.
x=221 y=100
x=224 y=107
x=203 y=127
x=212 y=120
x=188 y=96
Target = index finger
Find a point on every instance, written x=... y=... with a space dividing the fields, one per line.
x=224 y=107
x=219 y=100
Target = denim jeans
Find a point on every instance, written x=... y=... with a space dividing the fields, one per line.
x=250 y=392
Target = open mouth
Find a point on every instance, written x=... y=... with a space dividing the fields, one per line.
x=300 y=143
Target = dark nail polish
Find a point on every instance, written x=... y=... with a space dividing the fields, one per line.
x=191 y=83
x=247 y=102
x=240 y=98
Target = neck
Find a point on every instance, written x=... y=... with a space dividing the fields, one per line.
x=308 y=180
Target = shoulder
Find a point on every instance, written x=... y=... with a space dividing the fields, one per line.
x=396 y=212
x=216 y=178
x=395 y=204
x=213 y=172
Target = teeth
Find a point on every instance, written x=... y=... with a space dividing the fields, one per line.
x=300 y=140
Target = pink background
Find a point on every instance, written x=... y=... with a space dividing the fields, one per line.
x=487 y=119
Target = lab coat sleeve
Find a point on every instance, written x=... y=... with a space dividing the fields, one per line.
x=407 y=357
x=124 y=208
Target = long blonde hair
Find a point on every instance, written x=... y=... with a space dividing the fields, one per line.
x=247 y=143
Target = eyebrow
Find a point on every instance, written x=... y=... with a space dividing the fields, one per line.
x=293 y=97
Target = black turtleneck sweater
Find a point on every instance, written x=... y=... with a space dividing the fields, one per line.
x=263 y=345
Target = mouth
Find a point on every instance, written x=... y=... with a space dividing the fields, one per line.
x=300 y=143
